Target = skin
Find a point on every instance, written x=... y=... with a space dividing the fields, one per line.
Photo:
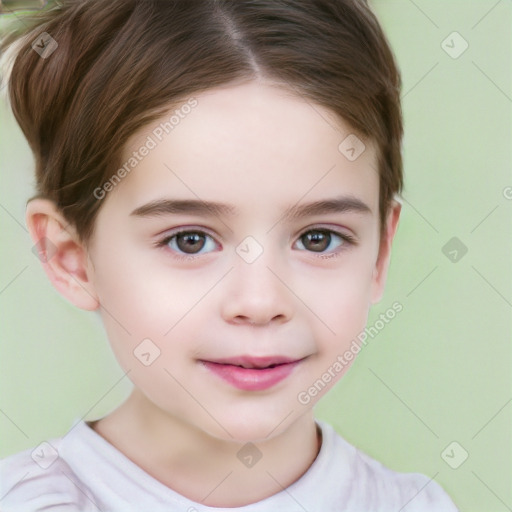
x=262 y=150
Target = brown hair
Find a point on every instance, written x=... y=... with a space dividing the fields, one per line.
x=119 y=64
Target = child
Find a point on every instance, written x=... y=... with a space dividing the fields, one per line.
x=267 y=133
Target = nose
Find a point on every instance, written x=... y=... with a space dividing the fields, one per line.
x=256 y=294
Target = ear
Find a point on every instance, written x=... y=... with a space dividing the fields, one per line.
x=63 y=257
x=380 y=271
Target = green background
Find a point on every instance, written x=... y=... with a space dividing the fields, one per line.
x=439 y=372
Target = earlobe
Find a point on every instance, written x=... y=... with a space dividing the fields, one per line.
x=382 y=264
x=63 y=257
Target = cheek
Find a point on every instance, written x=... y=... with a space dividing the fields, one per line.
x=141 y=303
x=341 y=298
x=143 y=295
x=342 y=305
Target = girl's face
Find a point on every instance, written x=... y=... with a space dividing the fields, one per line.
x=238 y=258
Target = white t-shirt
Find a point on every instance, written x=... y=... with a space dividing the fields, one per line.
x=83 y=472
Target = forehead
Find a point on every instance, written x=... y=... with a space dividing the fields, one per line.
x=250 y=143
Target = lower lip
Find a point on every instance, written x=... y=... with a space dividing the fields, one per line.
x=251 y=379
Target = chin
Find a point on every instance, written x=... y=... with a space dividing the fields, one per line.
x=253 y=427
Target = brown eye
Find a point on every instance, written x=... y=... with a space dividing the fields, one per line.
x=317 y=241
x=190 y=243
x=325 y=241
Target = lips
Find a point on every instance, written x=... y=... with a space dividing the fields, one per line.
x=255 y=362
x=252 y=373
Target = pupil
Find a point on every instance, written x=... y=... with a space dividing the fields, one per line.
x=193 y=242
x=320 y=240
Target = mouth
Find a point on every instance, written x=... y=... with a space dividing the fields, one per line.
x=252 y=373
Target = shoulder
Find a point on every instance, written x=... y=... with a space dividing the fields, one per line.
x=413 y=492
x=376 y=487
x=39 y=479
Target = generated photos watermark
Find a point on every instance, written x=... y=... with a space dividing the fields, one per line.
x=157 y=135
x=344 y=360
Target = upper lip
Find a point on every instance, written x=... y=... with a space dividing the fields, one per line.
x=255 y=362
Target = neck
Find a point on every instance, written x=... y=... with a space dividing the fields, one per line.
x=203 y=468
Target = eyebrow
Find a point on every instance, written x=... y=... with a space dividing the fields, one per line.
x=161 y=207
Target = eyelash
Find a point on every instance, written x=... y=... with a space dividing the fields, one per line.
x=347 y=240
